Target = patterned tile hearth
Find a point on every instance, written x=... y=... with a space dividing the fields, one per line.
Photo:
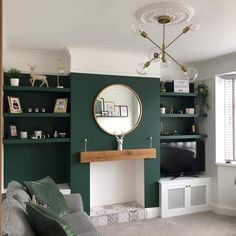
x=117 y=213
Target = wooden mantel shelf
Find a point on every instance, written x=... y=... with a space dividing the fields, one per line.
x=128 y=154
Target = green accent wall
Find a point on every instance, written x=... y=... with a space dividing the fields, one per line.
x=84 y=89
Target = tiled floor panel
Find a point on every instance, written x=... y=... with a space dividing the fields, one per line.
x=117 y=213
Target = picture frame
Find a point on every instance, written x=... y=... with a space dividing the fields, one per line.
x=124 y=111
x=12 y=132
x=99 y=106
x=117 y=111
x=109 y=107
x=61 y=105
x=14 y=104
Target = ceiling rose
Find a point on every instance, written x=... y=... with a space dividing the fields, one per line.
x=178 y=13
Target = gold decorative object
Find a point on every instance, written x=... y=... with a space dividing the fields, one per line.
x=164 y=13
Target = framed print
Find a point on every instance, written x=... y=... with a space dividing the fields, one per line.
x=124 y=111
x=109 y=107
x=14 y=104
x=117 y=111
x=61 y=105
x=12 y=131
x=99 y=106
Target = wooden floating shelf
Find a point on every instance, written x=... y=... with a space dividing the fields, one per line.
x=35 y=89
x=179 y=115
x=172 y=94
x=128 y=154
x=35 y=114
x=30 y=141
x=190 y=136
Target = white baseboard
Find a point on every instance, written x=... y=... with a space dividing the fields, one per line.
x=152 y=212
x=222 y=209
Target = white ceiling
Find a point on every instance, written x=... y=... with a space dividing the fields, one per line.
x=106 y=24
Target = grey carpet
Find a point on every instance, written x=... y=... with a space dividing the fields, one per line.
x=200 y=224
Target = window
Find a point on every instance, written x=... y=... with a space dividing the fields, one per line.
x=229 y=119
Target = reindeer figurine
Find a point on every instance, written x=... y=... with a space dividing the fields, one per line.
x=35 y=76
x=120 y=140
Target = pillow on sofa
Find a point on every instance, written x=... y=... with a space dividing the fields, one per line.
x=47 y=223
x=14 y=219
x=47 y=191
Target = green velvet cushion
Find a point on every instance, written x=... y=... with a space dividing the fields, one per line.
x=46 y=190
x=47 y=223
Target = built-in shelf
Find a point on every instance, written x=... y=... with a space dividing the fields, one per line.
x=179 y=115
x=172 y=94
x=29 y=141
x=35 y=89
x=128 y=154
x=191 y=136
x=24 y=115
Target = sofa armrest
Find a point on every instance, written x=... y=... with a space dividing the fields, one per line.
x=74 y=202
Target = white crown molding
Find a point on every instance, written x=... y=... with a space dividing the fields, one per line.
x=99 y=61
x=178 y=12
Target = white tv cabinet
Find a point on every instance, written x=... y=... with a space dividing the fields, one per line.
x=184 y=195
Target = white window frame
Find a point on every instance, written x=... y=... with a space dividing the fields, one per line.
x=219 y=119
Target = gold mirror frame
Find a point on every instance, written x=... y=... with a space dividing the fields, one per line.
x=138 y=100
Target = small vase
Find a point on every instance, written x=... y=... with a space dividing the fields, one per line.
x=163 y=110
x=14 y=81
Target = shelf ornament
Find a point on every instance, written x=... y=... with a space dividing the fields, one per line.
x=120 y=140
x=35 y=76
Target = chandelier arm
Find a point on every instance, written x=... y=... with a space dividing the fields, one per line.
x=153 y=42
x=175 y=39
x=164 y=32
x=184 y=31
x=182 y=67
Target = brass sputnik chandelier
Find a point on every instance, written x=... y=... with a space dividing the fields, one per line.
x=160 y=53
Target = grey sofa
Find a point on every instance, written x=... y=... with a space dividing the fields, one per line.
x=15 y=221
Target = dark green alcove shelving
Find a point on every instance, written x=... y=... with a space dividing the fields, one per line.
x=32 y=159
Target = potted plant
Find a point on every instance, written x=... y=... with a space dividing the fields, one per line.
x=162 y=108
x=202 y=95
x=14 y=75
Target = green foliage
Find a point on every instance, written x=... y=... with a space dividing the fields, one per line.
x=162 y=105
x=202 y=94
x=14 y=73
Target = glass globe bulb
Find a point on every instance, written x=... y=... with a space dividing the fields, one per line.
x=154 y=53
x=142 y=69
x=137 y=28
x=194 y=27
x=191 y=73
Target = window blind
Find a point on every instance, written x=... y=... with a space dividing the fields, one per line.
x=229 y=119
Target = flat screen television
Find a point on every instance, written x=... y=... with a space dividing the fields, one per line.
x=182 y=158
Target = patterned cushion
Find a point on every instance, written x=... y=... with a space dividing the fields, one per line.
x=14 y=219
x=47 y=223
x=37 y=201
x=48 y=192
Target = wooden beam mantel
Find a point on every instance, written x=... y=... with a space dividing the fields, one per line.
x=128 y=154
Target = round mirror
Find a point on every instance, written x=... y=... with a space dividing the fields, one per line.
x=117 y=109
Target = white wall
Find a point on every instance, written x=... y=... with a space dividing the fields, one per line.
x=45 y=61
x=223 y=176
x=111 y=182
